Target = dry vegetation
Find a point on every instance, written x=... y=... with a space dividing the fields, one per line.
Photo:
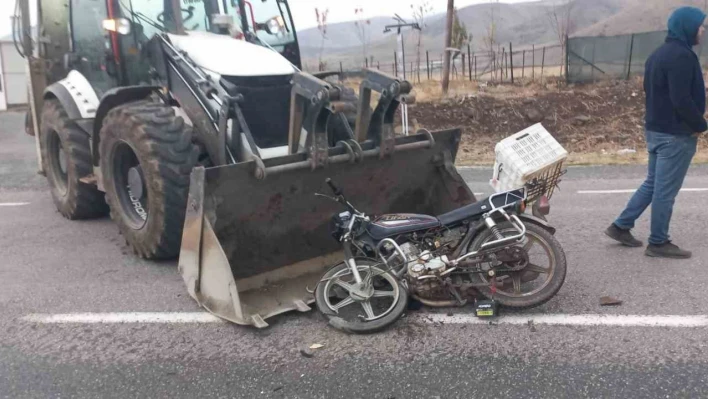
x=597 y=124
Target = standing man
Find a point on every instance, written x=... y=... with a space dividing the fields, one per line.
x=675 y=104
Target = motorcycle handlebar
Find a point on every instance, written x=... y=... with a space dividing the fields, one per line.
x=334 y=188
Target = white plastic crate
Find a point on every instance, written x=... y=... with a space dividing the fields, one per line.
x=531 y=153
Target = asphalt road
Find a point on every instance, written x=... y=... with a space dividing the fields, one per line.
x=51 y=265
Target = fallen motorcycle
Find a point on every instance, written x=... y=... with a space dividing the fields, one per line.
x=490 y=248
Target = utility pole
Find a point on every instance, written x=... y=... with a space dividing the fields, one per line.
x=448 y=43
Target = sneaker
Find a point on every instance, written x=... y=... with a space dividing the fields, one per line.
x=667 y=250
x=622 y=236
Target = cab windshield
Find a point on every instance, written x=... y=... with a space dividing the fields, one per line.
x=269 y=20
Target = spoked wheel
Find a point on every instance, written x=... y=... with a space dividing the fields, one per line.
x=361 y=308
x=526 y=276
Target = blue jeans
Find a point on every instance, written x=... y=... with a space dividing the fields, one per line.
x=669 y=158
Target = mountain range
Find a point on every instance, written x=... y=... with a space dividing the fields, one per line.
x=523 y=24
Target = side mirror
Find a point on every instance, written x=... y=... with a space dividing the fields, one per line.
x=120 y=26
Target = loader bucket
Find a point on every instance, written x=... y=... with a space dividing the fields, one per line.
x=252 y=247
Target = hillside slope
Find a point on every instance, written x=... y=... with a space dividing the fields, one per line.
x=521 y=23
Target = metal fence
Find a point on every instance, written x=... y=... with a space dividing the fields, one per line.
x=615 y=57
x=506 y=64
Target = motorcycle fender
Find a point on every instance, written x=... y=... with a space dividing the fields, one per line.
x=538 y=221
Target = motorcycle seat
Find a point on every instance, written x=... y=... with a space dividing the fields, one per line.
x=479 y=208
x=464 y=213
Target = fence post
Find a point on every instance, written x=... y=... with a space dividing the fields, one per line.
x=533 y=62
x=631 y=50
x=543 y=62
x=469 y=61
x=464 y=67
x=427 y=63
x=567 y=59
x=441 y=63
x=341 y=68
x=592 y=70
x=395 y=64
x=500 y=68
x=511 y=59
x=523 y=64
x=417 y=65
x=378 y=65
x=475 y=67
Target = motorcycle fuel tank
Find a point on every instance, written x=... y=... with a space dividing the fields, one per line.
x=401 y=223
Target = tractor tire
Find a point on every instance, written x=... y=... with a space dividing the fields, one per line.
x=66 y=155
x=147 y=156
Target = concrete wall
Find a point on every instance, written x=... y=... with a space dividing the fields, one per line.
x=3 y=101
x=13 y=71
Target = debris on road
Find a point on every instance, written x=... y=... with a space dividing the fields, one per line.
x=610 y=301
x=307 y=352
x=316 y=346
x=532 y=326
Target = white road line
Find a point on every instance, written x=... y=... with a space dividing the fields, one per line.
x=428 y=318
x=574 y=320
x=13 y=203
x=480 y=167
x=130 y=317
x=686 y=190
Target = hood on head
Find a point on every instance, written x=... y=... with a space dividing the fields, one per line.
x=684 y=24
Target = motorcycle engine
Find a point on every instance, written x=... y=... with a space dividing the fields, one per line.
x=424 y=264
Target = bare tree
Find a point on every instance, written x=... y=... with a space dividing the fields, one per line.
x=561 y=18
x=448 y=42
x=420 y=13
x=362 y=26
x=490 y=40
x=322 y=28
x=459 y=37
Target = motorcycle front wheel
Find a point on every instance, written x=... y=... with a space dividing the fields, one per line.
x=361 y=310
x=535 y=281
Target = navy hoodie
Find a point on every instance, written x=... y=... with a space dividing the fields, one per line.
x=673 y=79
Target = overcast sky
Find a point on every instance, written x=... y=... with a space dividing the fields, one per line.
x=304 y=10
x=343 y=10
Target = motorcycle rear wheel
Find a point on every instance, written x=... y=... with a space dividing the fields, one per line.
x=351 y=314
x=511 y=286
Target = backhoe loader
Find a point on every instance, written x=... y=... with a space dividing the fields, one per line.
x=192 y=124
